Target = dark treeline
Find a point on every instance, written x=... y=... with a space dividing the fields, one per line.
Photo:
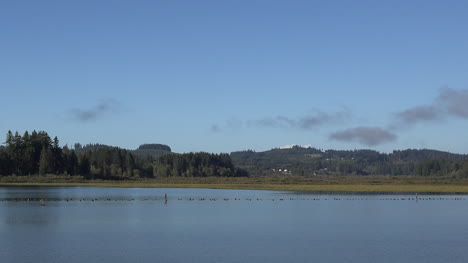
x=89 y=147
x=37 y=154
x=155 y=146
x=153 y=150
x=197 y=165
x=311 y=161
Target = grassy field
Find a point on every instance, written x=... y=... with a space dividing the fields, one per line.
x=289 y=183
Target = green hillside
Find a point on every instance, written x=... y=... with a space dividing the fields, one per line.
x=151 y=150
x=310 y=161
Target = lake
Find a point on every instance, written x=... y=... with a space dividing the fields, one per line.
x=92 y=224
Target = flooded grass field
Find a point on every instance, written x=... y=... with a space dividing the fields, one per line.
x=76 y=224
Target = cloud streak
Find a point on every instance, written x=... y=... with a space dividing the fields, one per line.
x=454 y=102
x=449 y=103
x=307 y=122
x=93 y=114
x=419 y=113
x=215 y=128
x=369 y=136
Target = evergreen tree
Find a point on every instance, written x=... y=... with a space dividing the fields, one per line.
x=45 y=161
x=72 y=163
x=129 y=164
x=9 y=138
x=57 y=157
x=4 y=162
x=84 y=167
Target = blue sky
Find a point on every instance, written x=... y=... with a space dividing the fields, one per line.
x=221 y=76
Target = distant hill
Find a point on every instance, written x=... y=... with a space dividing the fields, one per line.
x=155 y=146
x=36 y=153
x=299 y=160
x=414 y=155
x=143 y=151
x=92 y=147
x=153 y=150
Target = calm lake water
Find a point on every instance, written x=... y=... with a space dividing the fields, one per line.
x=79 y=224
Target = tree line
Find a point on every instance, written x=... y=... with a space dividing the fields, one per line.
x=197 y=165
x=311 y=161
x=36 y=153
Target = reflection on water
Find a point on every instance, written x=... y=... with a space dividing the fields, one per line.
x=204 y=225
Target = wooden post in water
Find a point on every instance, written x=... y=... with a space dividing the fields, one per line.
x=165 y=198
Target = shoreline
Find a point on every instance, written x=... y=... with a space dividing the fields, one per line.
x=363 y=188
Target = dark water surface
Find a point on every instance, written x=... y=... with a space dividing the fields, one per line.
x=79 y=224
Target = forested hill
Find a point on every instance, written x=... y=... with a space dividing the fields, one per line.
x=152 y=150
x=36 y=153
x=143 y=151
x=413 y=155
x=155 y=146
x=311 y=161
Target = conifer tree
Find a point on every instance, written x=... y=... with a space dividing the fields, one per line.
x=130 y=164
x=44 y=162
x=84 y=166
